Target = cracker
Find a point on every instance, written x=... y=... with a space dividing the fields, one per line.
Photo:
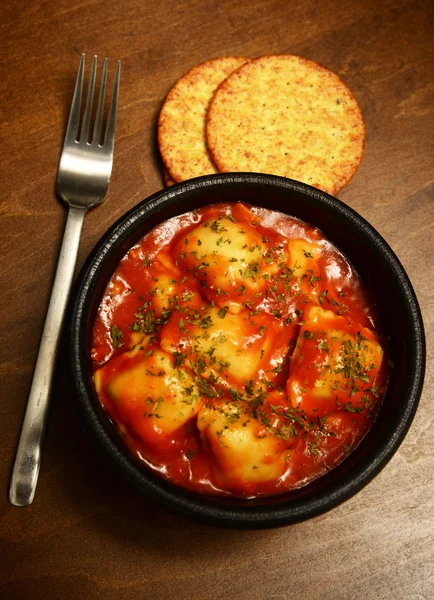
x=288 y=116
x=168 y=181
x=181 y=124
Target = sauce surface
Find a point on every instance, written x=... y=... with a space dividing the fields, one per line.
x=237 y=352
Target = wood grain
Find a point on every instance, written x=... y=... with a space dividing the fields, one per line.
x=88 y=533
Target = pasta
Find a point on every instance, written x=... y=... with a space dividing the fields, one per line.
x=237 y=352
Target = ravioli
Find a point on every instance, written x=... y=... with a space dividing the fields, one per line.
x=231 y=351
x=230 y=345
x=150 y=396
x=245 y=451
x=231 y=260
x=336 y=363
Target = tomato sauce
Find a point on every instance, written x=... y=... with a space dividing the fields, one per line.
x=237 y=352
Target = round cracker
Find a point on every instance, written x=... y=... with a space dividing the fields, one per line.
x=181 y=124
x=285 y=115
x=168 y=181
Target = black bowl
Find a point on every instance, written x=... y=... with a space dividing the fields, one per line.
x=382 y=273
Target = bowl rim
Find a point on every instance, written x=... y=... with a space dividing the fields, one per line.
x=201 y=507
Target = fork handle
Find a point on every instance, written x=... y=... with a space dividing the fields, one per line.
x=27 y=462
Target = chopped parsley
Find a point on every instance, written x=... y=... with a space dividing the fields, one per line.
x=116 y=335
x=222 y=312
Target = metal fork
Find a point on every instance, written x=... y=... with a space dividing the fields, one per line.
x=82 y=181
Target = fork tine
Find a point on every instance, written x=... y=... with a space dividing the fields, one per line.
x=99 y=112
x=74 y=114
x=109 y=136
x=84 y=134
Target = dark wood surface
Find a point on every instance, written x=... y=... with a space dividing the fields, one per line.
x=89 y=534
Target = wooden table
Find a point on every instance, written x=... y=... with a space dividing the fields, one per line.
x=88 y=534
